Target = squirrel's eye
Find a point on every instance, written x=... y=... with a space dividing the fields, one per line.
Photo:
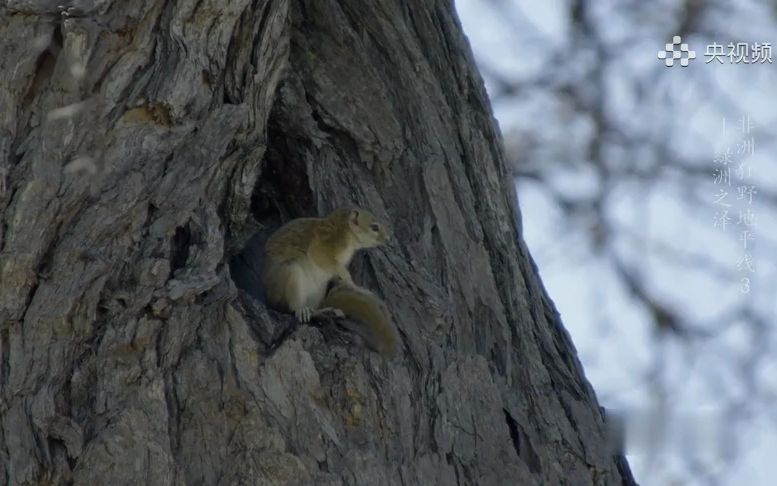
x=375 y=227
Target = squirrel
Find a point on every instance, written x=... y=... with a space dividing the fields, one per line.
x=303 y=255
x=375 y=325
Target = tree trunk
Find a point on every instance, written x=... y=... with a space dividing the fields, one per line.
x=147 y=149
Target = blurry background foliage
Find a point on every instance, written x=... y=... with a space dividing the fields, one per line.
x=637 y=182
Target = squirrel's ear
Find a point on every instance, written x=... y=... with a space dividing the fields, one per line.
x=355 y=217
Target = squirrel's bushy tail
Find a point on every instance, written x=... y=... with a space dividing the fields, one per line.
x=370 y=315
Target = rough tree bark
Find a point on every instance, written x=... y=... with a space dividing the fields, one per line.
x=148 y=146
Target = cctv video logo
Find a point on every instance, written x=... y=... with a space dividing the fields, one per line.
x=676 y=50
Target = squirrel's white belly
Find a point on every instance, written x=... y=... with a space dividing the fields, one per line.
x=314 y=284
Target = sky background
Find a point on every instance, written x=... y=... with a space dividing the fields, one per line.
x=701 y=408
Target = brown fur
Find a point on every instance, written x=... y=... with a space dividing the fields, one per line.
x=304 y=254
x=361 y=305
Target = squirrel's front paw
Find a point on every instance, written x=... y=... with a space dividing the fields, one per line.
x=303 y=314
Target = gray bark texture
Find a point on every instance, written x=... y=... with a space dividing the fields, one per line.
x=149 y=146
